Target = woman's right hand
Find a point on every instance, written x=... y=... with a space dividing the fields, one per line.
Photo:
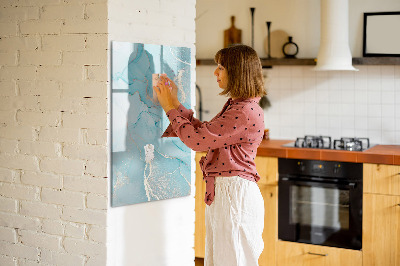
x=174 y=90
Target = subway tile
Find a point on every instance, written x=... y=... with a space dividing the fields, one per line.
x=374 y=97
x=360 y=124
x=374 y=110
x=388 y=110
x=388 y=97
x=388 y=124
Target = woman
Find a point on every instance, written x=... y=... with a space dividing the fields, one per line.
x=235 y=207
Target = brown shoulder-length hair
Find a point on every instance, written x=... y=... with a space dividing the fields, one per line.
x=245 y=78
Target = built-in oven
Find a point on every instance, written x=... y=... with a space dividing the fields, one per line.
x=320 y=202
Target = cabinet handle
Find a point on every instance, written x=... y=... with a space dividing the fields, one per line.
x=318 y=254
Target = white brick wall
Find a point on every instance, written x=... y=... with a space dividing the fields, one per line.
x=53 y=122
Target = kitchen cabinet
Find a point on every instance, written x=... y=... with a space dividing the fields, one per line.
x=381 y=215
x=270 y=233
x=298 y=254
x=381 y=179
x=200 y=207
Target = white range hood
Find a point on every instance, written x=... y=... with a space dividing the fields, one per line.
x=334 y=51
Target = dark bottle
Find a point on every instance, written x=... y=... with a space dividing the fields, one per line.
x=290 y=49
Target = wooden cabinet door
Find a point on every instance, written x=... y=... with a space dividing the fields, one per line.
x=381 y=230
x=298 y=254
x=381 y=179
x=200 y=207
x=270 y=233
x=267 y=168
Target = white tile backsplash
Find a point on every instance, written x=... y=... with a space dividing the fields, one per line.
x=364 y=103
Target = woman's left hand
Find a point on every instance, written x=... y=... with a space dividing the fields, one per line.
x=163 y=91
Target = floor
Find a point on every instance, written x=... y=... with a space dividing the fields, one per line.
x=199 y=262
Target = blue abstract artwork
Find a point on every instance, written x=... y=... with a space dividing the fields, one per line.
x=144 y=166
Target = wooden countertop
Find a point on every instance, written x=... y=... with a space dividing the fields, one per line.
x=379 y=154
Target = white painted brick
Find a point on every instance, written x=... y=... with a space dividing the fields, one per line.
x=7 y=175
x=25 y=103
x=88 y=57
x=69 y=42
x=39 y=58
x=94 y=201
x=68 y=135
x=61 y=259
x=65 y=42
x=92 y=1
x=62 y=12
x=84 y=216
x=7 y=88
x=96 y=137
x=40 y=27
x=84 y=26
x=8 y=205
x=97 y=42
x=95 y=105
x=18 y=72
x=8 y=234
x=98 y=169
x=84 y=247
x=97 y=11
x=39 y=118
x=18 y=161
x=16 y=132
x=87 y=88
x=35 y=239
x=85 y=121
x=86 y=184
x=98 y=234
x=8 y=261
x=25 y=262
x=53 y=227
x=63 y=197
x=19 y=251
x=98 y=73
x=19 y=13
x=75 y=230
x=19 y=221
x=60 y=73
x=35 y=2
x=85 y=152
x=19 y=43
x=41 y=210
x=55 y=103
x=7 y=117
x=99 y=260
x=38 y=148
x=8 y=146
x=39 y=87
x=41 y=179
x=8 y=58
x=62 y=166
x=17 y=191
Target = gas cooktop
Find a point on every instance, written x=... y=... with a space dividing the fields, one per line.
x=325 y=142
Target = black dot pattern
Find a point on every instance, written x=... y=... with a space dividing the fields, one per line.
x=231 y=139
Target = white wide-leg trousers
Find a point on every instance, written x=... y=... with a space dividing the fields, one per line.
x=234 y=223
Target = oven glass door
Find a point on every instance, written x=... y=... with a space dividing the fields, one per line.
x=320 y=213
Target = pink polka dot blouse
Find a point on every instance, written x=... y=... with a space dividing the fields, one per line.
x=231 y=139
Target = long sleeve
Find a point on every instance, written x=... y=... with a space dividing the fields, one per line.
x=186 y=113
x=222 y=131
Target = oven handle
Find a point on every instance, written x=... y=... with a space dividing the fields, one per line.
x=297 y=181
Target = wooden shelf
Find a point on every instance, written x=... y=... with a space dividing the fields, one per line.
x=312 y=61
